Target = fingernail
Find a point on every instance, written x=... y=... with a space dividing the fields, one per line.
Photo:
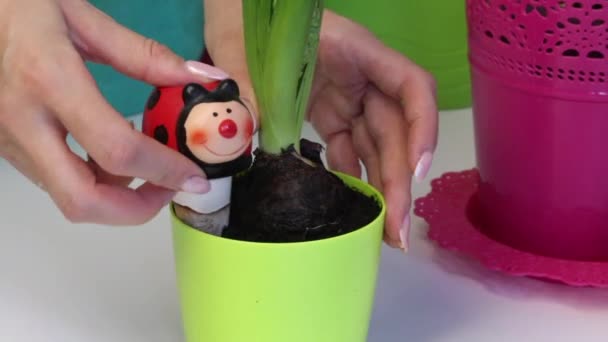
x=404 y=233
x=196 y=185
x=206 y=70
x=423 y=166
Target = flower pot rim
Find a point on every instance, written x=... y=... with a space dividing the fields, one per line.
x=351 y=181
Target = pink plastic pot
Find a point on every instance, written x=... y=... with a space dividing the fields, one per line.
x=540 y=103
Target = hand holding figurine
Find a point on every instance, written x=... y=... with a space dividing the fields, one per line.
x=47 y=93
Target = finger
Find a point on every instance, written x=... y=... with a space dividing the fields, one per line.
x=104 y=40
x=224 y=39
x=105 y=177
x=106 y=135
x=74 y=189
x=116 y=205
x=389 y=132
x=17 y=117
x=366 y=150
x=413 y=88
x=330 y=117
x=326 y=118
x=341 y=154
x=339 y=98
x=22 y=164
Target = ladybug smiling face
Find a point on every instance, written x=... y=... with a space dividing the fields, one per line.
x=215 y=126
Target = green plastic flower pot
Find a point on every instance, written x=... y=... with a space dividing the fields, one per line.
x=236 y=291
x=432 y=33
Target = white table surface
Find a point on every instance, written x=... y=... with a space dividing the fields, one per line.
x=74 y=283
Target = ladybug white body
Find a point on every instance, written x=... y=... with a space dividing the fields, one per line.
x=217 y=198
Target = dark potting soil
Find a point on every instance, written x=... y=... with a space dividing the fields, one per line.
x=292 y=197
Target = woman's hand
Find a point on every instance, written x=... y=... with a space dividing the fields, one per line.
x=371 y=103
x=47 y=92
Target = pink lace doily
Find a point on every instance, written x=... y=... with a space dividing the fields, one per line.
x=448 y=210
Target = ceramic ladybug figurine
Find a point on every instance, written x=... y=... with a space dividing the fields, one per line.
x=209 y=124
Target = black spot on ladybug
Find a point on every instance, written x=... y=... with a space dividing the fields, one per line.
x=153 y=99
x=215 y=114
x=161 y=134
x=229 y=110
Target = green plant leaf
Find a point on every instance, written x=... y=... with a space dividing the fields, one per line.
x=281 y=40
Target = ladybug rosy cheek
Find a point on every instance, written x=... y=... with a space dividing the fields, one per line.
x=249 y=128
x=218 y=132
x=198 y=138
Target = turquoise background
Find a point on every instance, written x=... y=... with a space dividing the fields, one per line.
x=175 y=23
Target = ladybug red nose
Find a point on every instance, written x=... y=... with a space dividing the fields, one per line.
x=228 y=128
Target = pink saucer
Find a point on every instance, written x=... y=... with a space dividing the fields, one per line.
x=450 y=210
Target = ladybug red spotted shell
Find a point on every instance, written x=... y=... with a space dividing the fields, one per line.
x=208 y=123
x=162 y=112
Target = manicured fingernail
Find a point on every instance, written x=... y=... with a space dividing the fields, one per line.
x=206 y=70
x=404 y=233
x=196 y=185
x=423 y=166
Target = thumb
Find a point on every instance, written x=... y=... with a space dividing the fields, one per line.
x=101 y=39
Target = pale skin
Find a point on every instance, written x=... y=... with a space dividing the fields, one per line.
x=369 y=103
x=47 y=92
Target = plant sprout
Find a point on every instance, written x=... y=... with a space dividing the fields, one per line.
x=281 y=40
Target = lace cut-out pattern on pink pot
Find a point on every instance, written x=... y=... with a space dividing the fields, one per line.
x=554 y=43
x=452 y=214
